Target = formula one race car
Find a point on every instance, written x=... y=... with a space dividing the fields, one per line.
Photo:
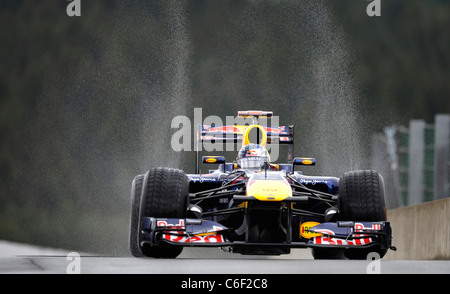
x=255 y=207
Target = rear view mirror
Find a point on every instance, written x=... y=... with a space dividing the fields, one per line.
x=304 y=161
x=213 y=159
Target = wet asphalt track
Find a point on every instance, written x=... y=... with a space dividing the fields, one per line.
x=126 y=265
x=201 y=261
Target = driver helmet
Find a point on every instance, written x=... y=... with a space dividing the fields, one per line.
x=253 y=156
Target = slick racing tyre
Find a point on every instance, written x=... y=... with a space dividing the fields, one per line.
x=362 y=198
x=164 y=194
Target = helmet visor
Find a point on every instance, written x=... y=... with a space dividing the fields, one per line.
x=253 y=162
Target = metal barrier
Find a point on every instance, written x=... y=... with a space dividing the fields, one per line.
x=414 y=161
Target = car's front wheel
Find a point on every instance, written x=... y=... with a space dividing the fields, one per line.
x=164 y=194
x=362 y=198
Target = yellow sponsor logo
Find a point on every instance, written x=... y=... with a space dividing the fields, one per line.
x=305 y=230
x=211 y=160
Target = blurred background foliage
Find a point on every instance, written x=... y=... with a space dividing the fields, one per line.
x=86 y=102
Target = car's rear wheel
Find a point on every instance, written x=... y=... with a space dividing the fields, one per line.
x=164 y=194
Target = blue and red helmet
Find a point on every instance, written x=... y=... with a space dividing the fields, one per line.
x=253 y=156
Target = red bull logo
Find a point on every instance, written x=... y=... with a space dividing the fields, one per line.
x=252 y=153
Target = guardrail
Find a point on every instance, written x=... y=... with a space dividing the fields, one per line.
x=414 y=161
x=421 y=232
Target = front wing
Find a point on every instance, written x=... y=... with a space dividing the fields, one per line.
x=206 y=233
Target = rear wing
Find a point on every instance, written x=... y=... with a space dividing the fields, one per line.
x=240 y=133
x=235 y=133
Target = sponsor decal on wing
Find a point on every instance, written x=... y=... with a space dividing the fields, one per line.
x=327 y=240
x=209 y=238
x=305 y=231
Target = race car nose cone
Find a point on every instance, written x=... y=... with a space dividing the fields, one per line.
x=269 y=190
